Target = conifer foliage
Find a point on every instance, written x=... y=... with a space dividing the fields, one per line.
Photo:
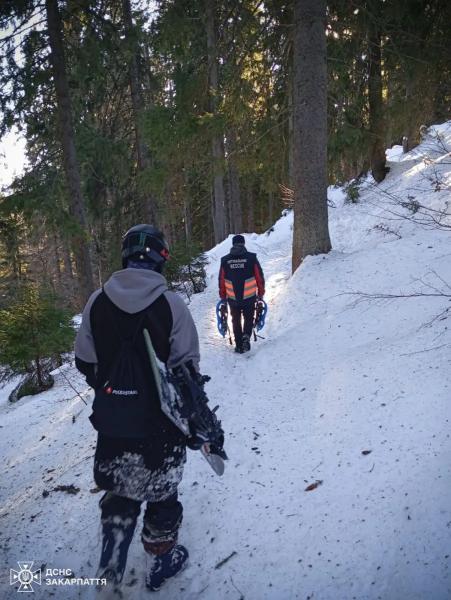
x=34 y=333
x=188 y=113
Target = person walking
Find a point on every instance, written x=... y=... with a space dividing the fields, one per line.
x=241 y=284
x=140 y=453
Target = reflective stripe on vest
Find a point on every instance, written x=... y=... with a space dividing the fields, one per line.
x=230 y=292
x=250 y=288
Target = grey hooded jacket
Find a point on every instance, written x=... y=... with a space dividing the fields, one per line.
x=133 y=290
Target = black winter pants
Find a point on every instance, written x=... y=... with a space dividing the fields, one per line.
x=243 y=311
x=162 y=519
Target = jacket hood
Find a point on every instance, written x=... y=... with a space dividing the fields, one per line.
x=133 y=290
x=238 y=249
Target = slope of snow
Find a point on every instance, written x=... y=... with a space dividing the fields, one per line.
x=351 y=393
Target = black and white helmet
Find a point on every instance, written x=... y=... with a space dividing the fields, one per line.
x=145 y=243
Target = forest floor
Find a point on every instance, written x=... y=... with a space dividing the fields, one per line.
x=348 y=393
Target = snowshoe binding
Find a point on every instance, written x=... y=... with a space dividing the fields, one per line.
x=164 y=566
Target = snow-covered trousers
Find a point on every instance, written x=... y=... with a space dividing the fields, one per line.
x=243 y=310
x=162 y=521
x=146 y=470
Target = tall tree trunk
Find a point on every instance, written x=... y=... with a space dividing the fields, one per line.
x=217 y=145
x=290 y=82
x=39 y=375
x=147 y=204
x=67 y=261
x=80 y=245
x=68 y=282
x=311 y=230
x=57 y=259
x=270 y=209
x=236 y=211
x=375 y=103
x=250 y=209
x=188 y=220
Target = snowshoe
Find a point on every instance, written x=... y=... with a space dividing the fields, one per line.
x=261 y=310
x=165 y=566
x=245 y=344
x=221 y=317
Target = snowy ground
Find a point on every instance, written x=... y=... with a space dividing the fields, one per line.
x=355 y=395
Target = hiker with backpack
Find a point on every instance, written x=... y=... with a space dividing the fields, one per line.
x=140 y=452
x=242 y=286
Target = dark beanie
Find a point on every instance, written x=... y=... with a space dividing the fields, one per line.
x=238 y=239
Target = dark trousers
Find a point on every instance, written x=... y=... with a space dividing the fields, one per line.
x=243 y=311
x=162 y=520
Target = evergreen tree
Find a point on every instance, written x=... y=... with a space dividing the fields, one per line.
x=34 y=332
x=311 y=232
x=173 y=107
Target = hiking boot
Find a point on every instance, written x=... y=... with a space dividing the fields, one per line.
x=165 y=566
x=239 y=349
x=117 y=536
x=245 y=344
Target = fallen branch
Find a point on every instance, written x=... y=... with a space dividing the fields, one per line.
x=224 y=560
x=426 y=350
x=69 y=383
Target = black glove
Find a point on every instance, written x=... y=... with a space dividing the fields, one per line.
x=195 y=441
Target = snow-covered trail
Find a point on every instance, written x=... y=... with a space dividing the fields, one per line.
x=302 y=407
x=331 y=380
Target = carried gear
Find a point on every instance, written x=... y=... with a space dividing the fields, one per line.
x=185 y=403
x=164 y=566
x=145 y=243
x=121 y=404
x=221 y=317
x=261 y=310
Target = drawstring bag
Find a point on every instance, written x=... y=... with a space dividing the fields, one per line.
x=121 y=405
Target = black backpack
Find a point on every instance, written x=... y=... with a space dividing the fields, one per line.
x=122 y=402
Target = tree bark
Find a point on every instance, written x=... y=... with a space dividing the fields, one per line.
x=290 y=140
x=57 y=258
x=311 y=231
x=147 y=208
x=79 y=240
x=217 y=144
x=375 y=104
x=271 y=209
x=67 y=261
x=188 y=220
x=39 y=377
x=236 y=211
x=250 y=209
